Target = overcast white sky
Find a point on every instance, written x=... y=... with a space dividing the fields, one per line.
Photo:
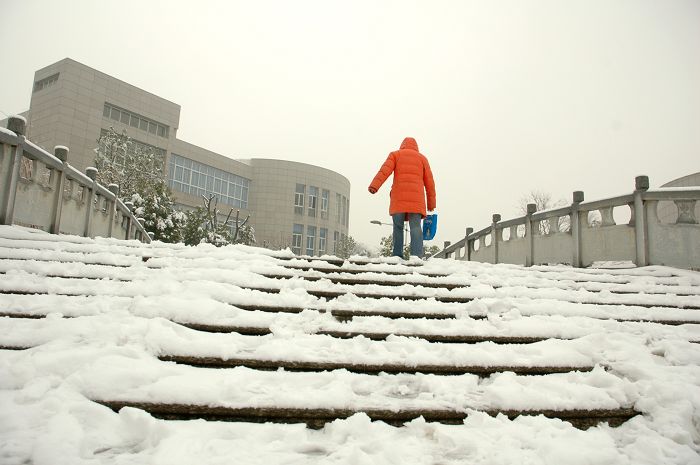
x=502 y=96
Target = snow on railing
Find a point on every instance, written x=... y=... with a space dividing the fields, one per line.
x=43 y=191
x=568 y=235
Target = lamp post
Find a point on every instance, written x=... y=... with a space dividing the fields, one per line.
x=405 y=229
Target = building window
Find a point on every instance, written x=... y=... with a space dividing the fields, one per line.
x=347 y=212
x=322 y=235
x=296 y=238
x=46 y=82
x=313 y=200
x=336 y=238
x=310 y=240
x=299 y=199
x=338 y=206
x=194 y=178
x=135 y=121
x=324 y=203
x=344 y=211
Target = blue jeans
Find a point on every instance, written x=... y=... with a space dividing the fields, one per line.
x=416 y=233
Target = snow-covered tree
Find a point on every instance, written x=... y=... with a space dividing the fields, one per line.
x=246 y=235
x=135 y=167
x=160 y=215
x=193 y=231
x=345 y=247
x=432 y=250
x=364 y=250
x=386 y=247
x=204 y=225
x=138 y=171
x=543 y=201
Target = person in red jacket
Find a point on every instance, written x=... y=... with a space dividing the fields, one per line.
x=413 y=180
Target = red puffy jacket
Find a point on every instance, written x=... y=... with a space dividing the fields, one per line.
x=413 y=179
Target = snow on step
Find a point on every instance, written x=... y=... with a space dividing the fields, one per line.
x=111 y=352
x=298 y=297
x=179 y=309
x=324 y=288
x=175 y=340
x=121 y=373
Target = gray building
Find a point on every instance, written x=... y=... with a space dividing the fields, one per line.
x=297 y=205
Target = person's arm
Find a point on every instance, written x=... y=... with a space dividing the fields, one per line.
x=429 y=184
x=383 y=173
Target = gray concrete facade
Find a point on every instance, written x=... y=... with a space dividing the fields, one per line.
x=275 y=185
x=72 y=104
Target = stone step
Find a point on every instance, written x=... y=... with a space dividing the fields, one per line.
x=329 y=294
x=332 y=276
x=323 y=269
x=311 y=366
x=381 y=293
x=317 y=418
x=349 y=314
x=97 y=258
x=437 y=338
x=120 y=276
x=375 y=335
x=368 y=281
x=662 y=289
x=338 y=262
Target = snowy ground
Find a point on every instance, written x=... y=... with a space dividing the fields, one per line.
x=101 y=340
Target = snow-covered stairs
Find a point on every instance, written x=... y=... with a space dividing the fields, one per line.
x=247 y=334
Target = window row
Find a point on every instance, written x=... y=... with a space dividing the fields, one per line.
x=314 y=245
x=46 y=82
x=194 y=178
x=135 y=121
x=314 y=206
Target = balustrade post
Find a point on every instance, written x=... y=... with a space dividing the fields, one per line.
x=61 y=153
x=576 y=229
x=529 y=234
x=92 y=174
x=17 y=125
x=553 y=225
x=114 y=189
x=129 y=206
x=495 y=218
x=468 y=254
x=686 y=211
x=606 y=217
x=446 y=245
x=138 y=234
x=641 y=184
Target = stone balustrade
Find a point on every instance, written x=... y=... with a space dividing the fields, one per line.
x=40 y=190
x=568 y=235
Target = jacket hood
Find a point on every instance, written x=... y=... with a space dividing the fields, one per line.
x=409 y=143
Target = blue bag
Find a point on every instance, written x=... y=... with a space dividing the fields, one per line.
x=429 y=226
